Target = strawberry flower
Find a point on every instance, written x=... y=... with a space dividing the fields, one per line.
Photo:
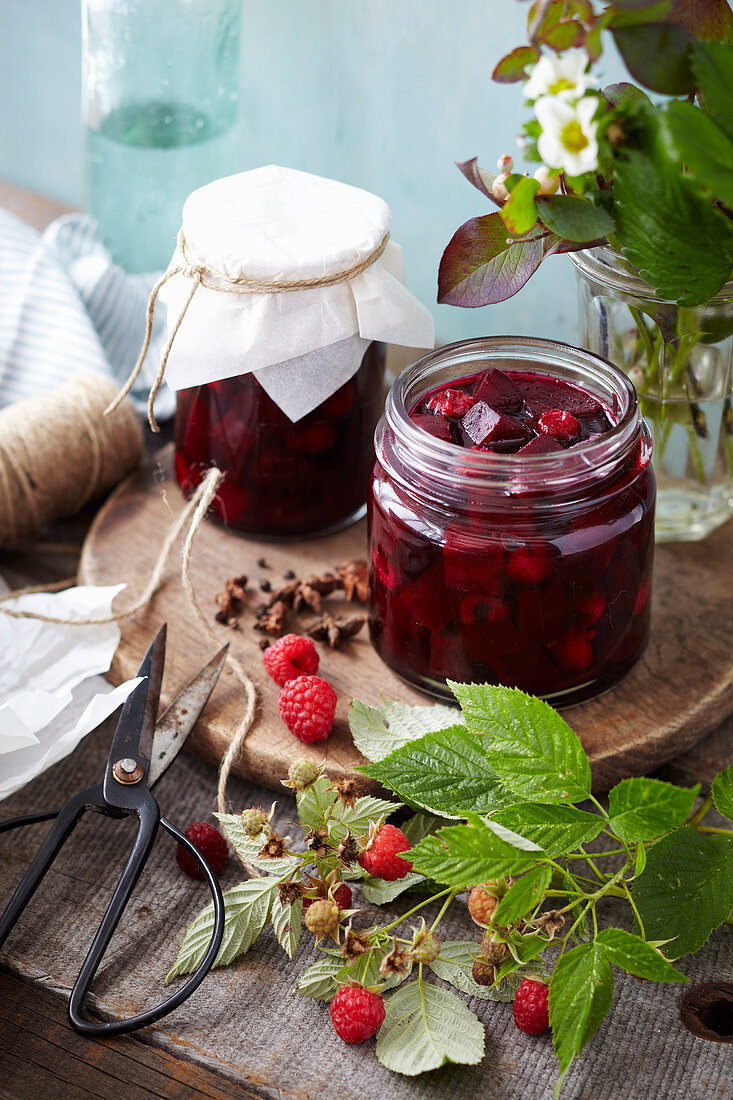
x=563 y=76
x=569 y=138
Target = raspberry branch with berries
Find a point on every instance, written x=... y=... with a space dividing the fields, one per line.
x=497 y=829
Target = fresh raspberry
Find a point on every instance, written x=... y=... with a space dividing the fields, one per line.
x=529 y=564
x=530 y=1007
x=451 y=403
x=426 y=948
x=210 y=843
x=307 y=706
x=594 y=606
x=380 y=857
x=290 y=656
x=559 y=424
x=574 y=652
x=253 y=821
x=481 y=904
x=322 y=917
x=356 y=1013
x=482 y=971
x=341 y=895
x=302 y=773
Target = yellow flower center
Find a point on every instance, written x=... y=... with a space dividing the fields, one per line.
x=562 y=84
x=572 y=136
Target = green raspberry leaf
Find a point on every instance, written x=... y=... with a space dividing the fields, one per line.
x=365 y=970
x=483 y=263
x=521 y=898
x=633 y=955
x=249 y=847
x=462 y=855
x=446 y=773
x=378 y=731
x=557 y=829
x=722 y=791
x=316 y=799
x=287 y=924
x=454 y=964
x=581 y=989
x=246 y=911
x=530 y=747
x=319 y=980
x=686 y=889
x=712 y=63
x=426 y=1027
x=574 y=219
x=702 y=147
x=643 y=809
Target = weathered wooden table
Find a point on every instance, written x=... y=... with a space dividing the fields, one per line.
x=245 y=1033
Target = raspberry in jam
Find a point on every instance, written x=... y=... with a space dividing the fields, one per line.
x=282 y=479
x=511 y=521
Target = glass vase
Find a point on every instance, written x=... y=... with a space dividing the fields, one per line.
x=680 y=359
x=160 y=106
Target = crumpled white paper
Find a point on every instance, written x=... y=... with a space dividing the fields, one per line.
x=51 y=693
x=280 y=224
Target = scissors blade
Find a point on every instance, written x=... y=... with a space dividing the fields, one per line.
x=174 y=726
x=133 y=737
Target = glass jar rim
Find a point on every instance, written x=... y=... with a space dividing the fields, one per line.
x=608 y=266
x=488 y=471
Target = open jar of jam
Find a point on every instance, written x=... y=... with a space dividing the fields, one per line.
x=281 y=295
x=511 y=521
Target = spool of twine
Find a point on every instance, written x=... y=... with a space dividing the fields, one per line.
x=58 y=451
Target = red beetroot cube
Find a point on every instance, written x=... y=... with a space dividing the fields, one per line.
x=573 y=652
x=427 y=599
x=498 y=390
x=436 y=425
x=313 y=439
x=542 y=394
x=485 y=426
x=529 y=564
x=472 y=563
x=540 y=445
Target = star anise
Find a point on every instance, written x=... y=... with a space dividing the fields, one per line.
x=307 y=596
x=275 y=847
x=353 y=575
x=316 y=841
x=347 y=790
x=335 y=630
x=271 y=620
x=355 y=944
x=395 y=962
x=290 y=892
x=228 y=612
x=236 y=587
x=285 y=594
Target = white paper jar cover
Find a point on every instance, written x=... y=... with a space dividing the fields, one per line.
x=278 y=225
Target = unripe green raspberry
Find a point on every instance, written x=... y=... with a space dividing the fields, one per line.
x=253 y=821
x=302 y=773
x=494 y=950
x=426 y=948
x=482 y=971
x=322 y=917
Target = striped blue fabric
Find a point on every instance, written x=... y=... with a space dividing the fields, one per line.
x=65 y=307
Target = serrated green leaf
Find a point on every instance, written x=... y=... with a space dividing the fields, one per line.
x=287 y=923
x=316 y=800
x=246 y=910
x=722 y=791
x=712 y=63
x=532 y=749
x=528 y=949
x=446 y=773
x=425 y=1027
x=632 y=954
x=454 y=964
x=319 y=981
x=702 y=147
x=644 y=809
x=655 y=207
x=519 y=213
x=686 y=889
x=483 y=263
x=378 y=731
x=463 y=855
x=581 y=990
x=558 y=830
x=523 y=896
x=365 y=970
x=640 y=859
x=574 y=219
x=249 y=847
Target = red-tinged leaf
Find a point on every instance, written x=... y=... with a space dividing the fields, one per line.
x=479 y=177
x=566 y=35
x=512 y=67
x=483 y=264
x=658 y=56
x=519 y=212
x=709 y=20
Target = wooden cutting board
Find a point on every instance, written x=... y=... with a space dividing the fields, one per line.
x=680 y=690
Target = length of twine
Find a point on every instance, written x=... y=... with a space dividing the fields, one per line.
x=202 y=275
x=193 y=513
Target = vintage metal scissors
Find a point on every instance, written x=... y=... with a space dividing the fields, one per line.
x=141 y=751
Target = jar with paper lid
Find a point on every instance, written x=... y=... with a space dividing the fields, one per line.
x=281 y=295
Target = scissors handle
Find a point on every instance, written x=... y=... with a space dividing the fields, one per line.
x=109 y=922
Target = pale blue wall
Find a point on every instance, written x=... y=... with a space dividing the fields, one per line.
x=385 y=94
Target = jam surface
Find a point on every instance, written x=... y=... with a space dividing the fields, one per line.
x=283 y=480
x=544 y=592
x=512 y=413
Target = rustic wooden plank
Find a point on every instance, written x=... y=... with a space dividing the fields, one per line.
x=36 y=210
x=680 y=690
x=34 y=1032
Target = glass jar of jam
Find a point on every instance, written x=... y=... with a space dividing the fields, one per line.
x=282 y=479
x=511 y=521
